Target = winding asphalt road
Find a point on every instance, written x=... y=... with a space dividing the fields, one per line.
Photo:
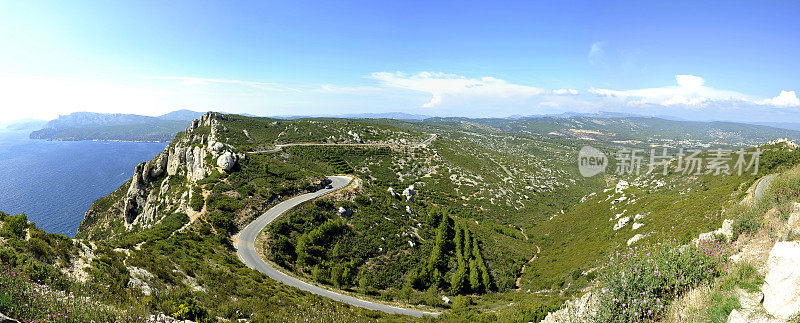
x=761 y=186
x=245 y=248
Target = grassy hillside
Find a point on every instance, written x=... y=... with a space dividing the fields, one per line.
x=501 y=221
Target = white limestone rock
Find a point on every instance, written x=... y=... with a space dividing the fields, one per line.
x=726 y=230
x=621 y=223
x=215 y=146
x=583 y=309
x=782 y=283
x=139 y=279
x=409 y=193
x=635 y=238
x=226 y=161
x=344 y=212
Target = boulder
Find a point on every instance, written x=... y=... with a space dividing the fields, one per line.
x=215 y=146
x=226 y=161
x=392 y=192
x=409 y=193
x=782 y=283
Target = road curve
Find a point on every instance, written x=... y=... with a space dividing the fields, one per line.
x=761 y=186
x=245 y=248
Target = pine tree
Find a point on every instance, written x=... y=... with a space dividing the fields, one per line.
x=458 y=282
x=468 y=245
x=474 y=277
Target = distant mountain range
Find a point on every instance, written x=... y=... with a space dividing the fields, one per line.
x=23 y=124
x=644 y=131
x=115 y=127
x=379 y=115
x=598 y=126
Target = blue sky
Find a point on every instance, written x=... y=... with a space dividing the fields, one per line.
x=698 y=60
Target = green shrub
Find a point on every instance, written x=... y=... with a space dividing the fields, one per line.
x=189 y=310
x=744 y=275
x=638 y=284
x=198 y=200
x=15 y=226
x=746 y=223
x=721 y=306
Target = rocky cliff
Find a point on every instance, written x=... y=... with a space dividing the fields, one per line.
x=164 y=184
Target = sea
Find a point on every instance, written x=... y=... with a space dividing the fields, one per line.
x=55 y=182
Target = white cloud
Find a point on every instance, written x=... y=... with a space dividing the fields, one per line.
x=565 y=91
x=690 y=91
x=441 y=86
x=597 y=51
x=785 y=99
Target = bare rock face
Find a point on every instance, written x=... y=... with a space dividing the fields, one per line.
x=195 y=163
x=782 y=284
x=226 y=161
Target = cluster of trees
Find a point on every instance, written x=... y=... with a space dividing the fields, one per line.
x=469 y=275
x=771 y=160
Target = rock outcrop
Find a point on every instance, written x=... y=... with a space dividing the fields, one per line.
x=782 y=283
x=191 y=155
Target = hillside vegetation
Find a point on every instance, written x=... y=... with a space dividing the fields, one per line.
x=488 y=214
